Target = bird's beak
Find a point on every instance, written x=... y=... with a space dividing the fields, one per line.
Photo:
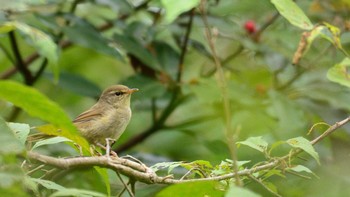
x=132 y=90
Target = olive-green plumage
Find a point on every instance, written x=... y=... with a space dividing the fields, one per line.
x=108 y=118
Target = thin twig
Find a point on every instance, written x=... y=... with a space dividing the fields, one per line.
x=230 y=135
x=27 y=75
x=35 y=169
x=7 y=53
x=263 y=185
x=157 y=125
x=184 y=46
x=125 y=186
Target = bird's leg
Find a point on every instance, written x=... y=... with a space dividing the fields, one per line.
x=79 y=148
x=93 y=150
x=109 y=144
x=108 y=147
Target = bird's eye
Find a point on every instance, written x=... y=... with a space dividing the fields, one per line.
x=118 y=93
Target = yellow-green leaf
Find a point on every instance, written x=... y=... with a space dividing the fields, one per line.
x=7 y=27
x=339 y=73
x=239 y=191
x=202 y=188
x=255 y=142
x=38 y=105
x=104 y=175
x=9 y=144
x=291 y=11
x=174 y=8
x=305 y=145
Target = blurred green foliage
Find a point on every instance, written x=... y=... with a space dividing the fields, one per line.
x=276 y=82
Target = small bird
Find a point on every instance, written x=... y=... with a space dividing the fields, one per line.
x=108 y=118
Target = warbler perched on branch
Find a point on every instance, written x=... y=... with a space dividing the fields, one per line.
x=107 y=119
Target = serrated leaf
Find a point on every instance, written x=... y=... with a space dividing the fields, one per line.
x=21 y=130
x=239 y=191
x=49 y=141
x=339 y=73
x=256 y=143
x=292 y=12
x=174 y=8
x=9 y=144
x=305 y=145
x=202 y=188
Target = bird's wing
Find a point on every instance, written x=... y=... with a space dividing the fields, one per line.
x=87 y=116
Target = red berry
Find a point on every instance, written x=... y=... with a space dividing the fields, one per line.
x=250 y=26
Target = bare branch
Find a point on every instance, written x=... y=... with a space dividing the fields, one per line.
x=141 y=173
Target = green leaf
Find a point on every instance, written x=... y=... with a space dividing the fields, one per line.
x=9 y=144
x=7 y=27
x=167 y=57
x=21 y=130
x=8 y=179
x=77 y=84
x=326 y=31
x=275 y=145
x=48 y=184
x=239 y=191
x=170 y=165
x=202 y=165
x=104 y=175
x=291 y=11
x=34 y=103
x=301 y=168
x=149 y=87
x=132 y=46
x=202 y=188
x=77 y=193
x=49 y=141
x=174 y=8
x=304 y=144
x=339 y=73
x=60 y=131
x=255 y=142
x=62 y=191
x=38 y=105
x=84 y=34
x=40 y=41
x=285 y=111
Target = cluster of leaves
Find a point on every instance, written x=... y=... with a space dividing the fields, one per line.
x=159 y=47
